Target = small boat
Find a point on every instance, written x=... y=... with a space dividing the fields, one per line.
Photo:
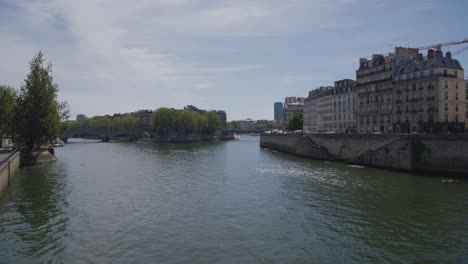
x=58 y=143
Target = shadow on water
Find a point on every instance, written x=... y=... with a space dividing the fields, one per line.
x=33 y=212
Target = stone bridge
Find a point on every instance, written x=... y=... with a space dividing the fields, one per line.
x=103 y=134
x=242 y=131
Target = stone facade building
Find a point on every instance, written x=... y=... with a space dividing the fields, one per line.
x=466 y=105
x=144 y=117
x=405 y=92
x=318 y=110
x=292 y=105
x=430 y=95
x=375 y=94
x=344 y=104
x=331 y=108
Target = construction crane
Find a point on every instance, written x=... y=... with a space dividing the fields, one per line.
x=460 y=51
x=440 y=45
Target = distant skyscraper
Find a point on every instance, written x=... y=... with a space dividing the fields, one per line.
x=278 y=111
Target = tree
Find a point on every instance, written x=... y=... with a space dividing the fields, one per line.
x=7 y=111
x=202 y=124
x=213 y=122
x=124 y=123
x=296 y=122
x=162 y=120
x=103 y=123
x=233 y=125
x=38 y=112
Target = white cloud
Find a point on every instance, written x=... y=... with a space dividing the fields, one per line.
x=146 y=53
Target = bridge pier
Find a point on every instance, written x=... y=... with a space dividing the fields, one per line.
x=106 y=139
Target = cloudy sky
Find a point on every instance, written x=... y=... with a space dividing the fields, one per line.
x=112 y=56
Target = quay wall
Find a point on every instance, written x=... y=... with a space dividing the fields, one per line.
x=441 y=154
x=8 y=170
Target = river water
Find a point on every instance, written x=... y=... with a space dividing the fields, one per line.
x=226 y=202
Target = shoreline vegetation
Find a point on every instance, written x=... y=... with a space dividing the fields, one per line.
x=167 y=124
x=32 y=116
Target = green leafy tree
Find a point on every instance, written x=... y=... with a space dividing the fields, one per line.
x=233 y=125
x=130 y=122
x=124 y=123
x=103 y=124
x=213 y=122
x=7 y=111
x=162 y=121
x=296 y=122
x=64 y=110
x=202 y=124
x=38 y=113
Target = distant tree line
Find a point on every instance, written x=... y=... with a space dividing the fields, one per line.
x=164 y=120
x=106 y=123
x=33 y=113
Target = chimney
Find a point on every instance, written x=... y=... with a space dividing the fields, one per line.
x=420 y=57
x=430 y=54
x=439 y=54
x=448 y=55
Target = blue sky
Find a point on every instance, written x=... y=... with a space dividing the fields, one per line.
x=240 y=56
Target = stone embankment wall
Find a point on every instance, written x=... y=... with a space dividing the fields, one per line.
x=424 y=153
x=8 y=169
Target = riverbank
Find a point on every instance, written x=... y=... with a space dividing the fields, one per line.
x=435 y=154
x=9 y=166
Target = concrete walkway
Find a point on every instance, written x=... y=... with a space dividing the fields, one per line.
x=4 y=153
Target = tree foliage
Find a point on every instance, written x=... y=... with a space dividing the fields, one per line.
x=7 y=110
x=38 y=113
x=162 y=120
x=124 y=123
x=119 y=123
x=184 y=122
x=296 y=122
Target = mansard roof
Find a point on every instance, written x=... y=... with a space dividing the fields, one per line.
x=409 y=66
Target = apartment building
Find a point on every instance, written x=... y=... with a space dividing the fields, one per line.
x=292 y=105
x=344 y=105
x=430 y=94
x=331 y=108
x=374 y=98
x=318 y=110
x=466 y=105
x=406 y=92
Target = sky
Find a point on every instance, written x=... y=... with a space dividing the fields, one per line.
x=117 y=56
